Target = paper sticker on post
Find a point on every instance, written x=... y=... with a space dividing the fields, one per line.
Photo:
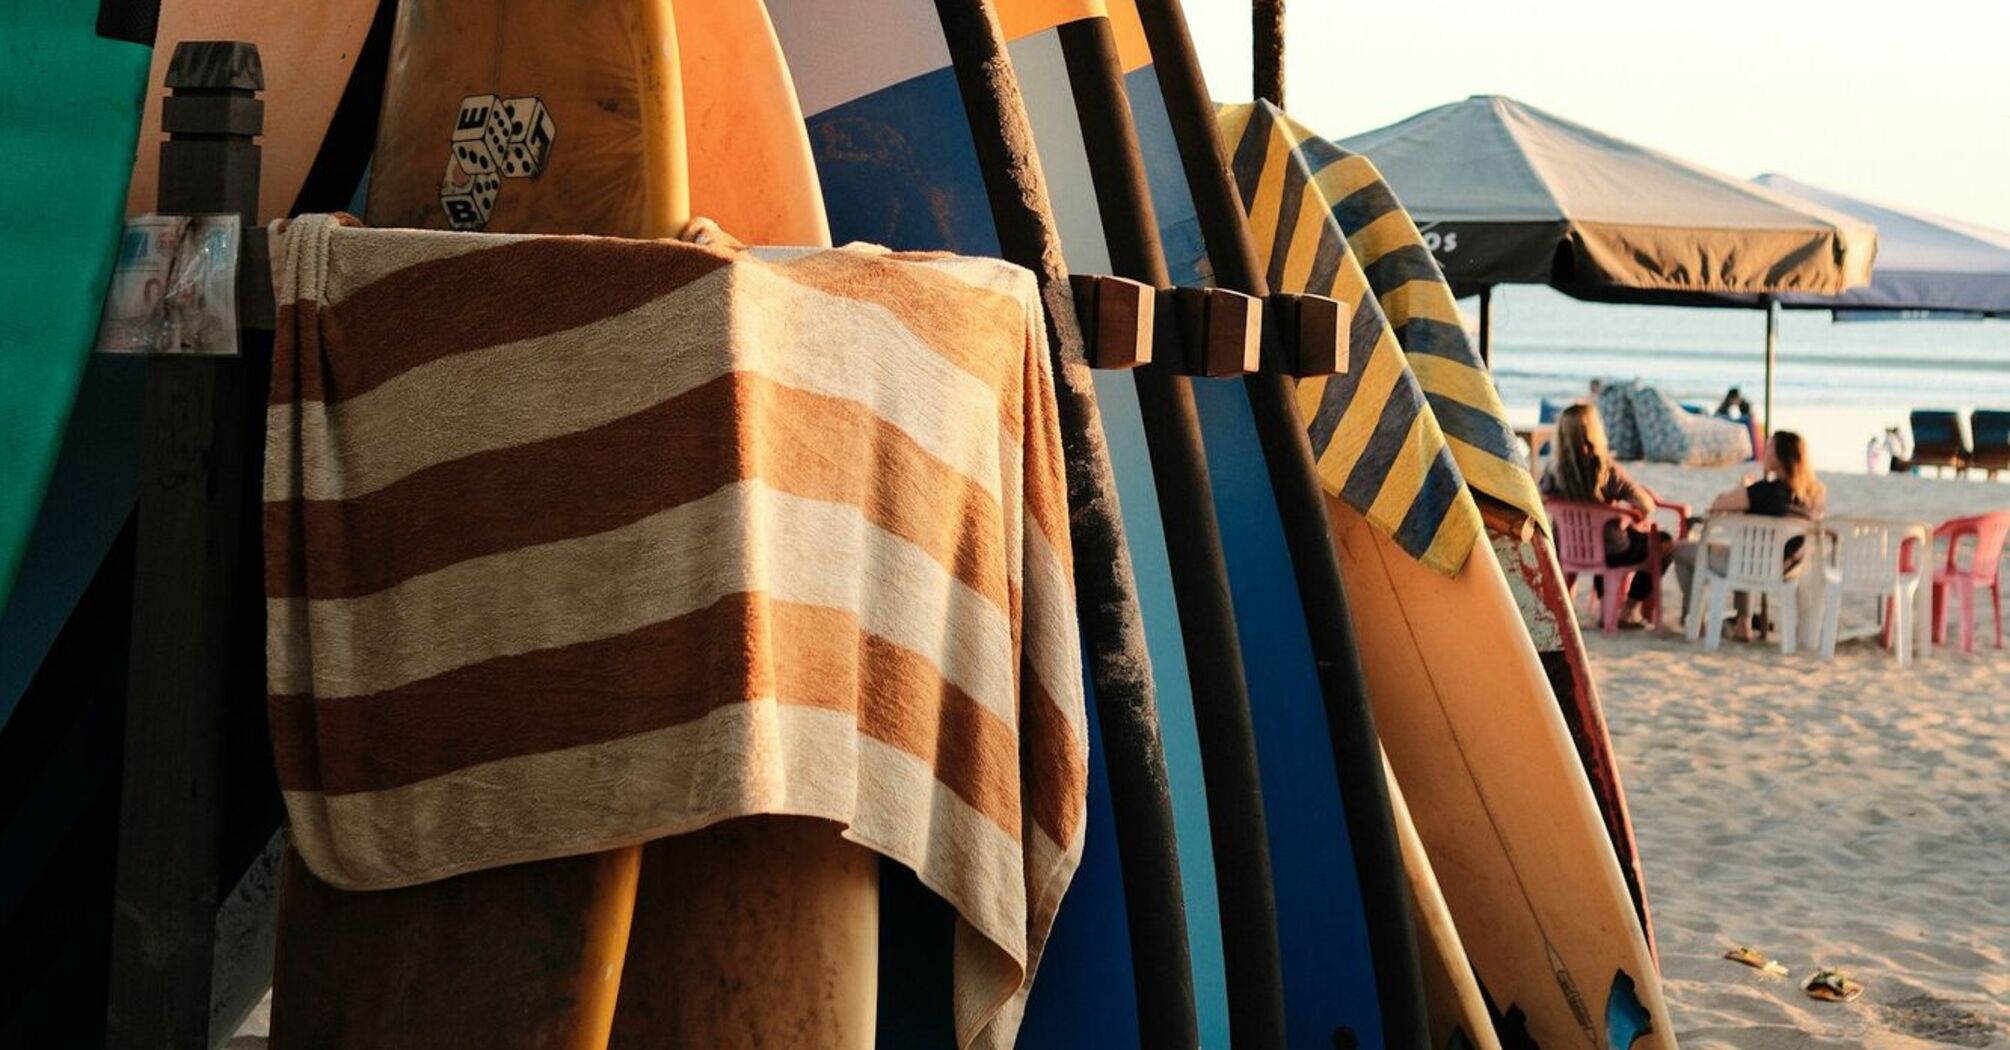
x=174 y=287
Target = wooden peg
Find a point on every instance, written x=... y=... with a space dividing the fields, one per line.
x=1212 y=332
x=1116 y=316
x=1234 y=333
x=1310 y=332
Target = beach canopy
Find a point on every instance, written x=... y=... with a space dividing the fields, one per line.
x=1924 y=262
x=1509 y=194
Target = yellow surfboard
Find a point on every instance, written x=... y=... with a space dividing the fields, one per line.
x=1458 y=1012
x=1466 y=714
x=1499 y=798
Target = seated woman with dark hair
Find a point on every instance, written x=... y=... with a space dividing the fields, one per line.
x=1583 y=471
x=1789 y=489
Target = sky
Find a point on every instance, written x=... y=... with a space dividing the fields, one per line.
x=1902 y=103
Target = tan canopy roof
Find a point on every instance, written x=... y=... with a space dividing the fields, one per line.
x=1516 y=195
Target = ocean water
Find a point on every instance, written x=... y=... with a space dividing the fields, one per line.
x=1841 y=382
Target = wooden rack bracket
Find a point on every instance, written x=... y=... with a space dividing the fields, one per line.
x=1311 y=332
x=1117 y=317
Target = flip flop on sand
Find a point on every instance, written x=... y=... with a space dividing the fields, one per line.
x=1757 y=960
x=1832 y=986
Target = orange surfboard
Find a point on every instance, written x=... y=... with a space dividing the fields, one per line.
x=749 y=153
x=309 y=52
x=621 y=119
x=517 y=116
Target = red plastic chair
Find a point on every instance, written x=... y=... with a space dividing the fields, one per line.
x=1579 y=529
x=1952 y=581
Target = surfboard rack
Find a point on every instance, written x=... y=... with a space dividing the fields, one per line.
x=191 y=580
x=1213 y=332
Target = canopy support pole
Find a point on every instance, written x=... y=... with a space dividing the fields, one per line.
x=1772 y=351
x=1487 y=327
x=1267 y=70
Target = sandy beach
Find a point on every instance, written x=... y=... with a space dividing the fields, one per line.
x=1850 y=814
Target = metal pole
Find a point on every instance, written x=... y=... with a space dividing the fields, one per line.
x=1772 y=350
x=1487 y=326
x=1266 y=18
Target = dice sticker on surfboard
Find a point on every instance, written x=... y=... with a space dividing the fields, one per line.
x=494 y=139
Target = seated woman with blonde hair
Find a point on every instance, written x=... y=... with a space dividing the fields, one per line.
x=1789 y=489
x=1583 y=471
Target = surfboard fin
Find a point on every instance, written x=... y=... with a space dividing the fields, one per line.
x=1626 y=1021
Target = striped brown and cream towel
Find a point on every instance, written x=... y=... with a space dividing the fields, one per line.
x=576 y=542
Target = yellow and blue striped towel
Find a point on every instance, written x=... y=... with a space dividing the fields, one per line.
x=1330 y=225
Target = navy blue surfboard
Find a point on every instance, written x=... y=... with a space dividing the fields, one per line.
x=1330 y=975
x=1319 y=730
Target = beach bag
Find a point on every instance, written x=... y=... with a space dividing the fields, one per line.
x=1615 y=406
x=1670 y=433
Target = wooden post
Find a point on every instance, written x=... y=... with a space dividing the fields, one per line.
x=190 y=505
x=1312 y=330
x=1117 y=318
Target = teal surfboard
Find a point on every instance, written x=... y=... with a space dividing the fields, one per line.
x=65 y=623
x=72 y=79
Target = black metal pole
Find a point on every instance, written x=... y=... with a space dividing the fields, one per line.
x=1267 y=51
x=1487 y=326
x=1772 y=353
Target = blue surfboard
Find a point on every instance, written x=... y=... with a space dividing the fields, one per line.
x=1351 y=965
x=1329 y=972
x=1330 y=982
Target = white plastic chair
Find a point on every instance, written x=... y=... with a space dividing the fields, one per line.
x=1758 y=564
x=1865 y=558
x=1541 y=446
